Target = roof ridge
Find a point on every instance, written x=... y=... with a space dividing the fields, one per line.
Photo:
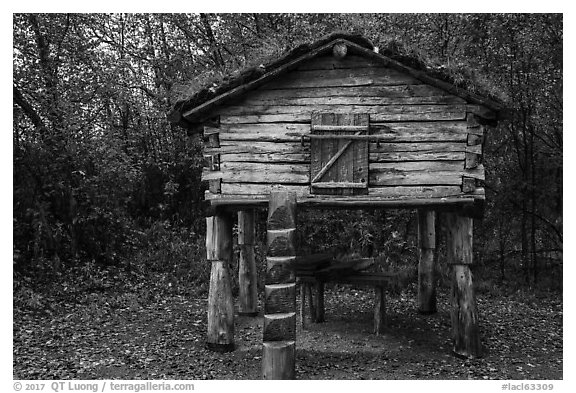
x=366 y=47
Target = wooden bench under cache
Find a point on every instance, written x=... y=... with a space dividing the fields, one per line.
x=307 y=279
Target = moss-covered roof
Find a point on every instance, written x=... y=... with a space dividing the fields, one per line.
x=467 y=85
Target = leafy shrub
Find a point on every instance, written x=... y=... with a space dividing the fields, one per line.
x=175 y=255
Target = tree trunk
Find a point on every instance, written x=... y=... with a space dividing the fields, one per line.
x=247 y=273
x=320 y=310
x=426 y=273
x=220 y=303
x=379 y=310
x=464 y=316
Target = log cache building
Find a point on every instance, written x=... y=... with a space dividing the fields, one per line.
x=336 y=124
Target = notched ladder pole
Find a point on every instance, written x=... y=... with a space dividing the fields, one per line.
x=426 y=270
x=220 y=303
x=465 y=335
x=278 y=359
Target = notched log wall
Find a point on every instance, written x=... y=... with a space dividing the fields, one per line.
x=427 y=143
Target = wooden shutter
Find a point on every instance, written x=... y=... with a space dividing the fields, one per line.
x=339 y=164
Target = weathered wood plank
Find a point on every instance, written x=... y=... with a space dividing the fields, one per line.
x=382 y=110
x=330 y=63
x=267 y=128
x=454 y=131
x=415 y=156
x=280 y=298
x=453 y=127
x=376 y=116
x=345 y=128
x=251 y=147
x=268 y=158
x=398 y=192
x=464 y=201
x=430 y=166
x=366 y=76
x=423 y=177
x=263 y=132
x=249 y=172
x=261 y=137
x=360 y=100
x=263 y=189
x=338 y=185
x=246 y=176
x=252 y=166
x=415 y=178
x=424 y=147
x=388 y=92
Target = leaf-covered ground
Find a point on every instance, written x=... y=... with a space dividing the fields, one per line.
x=116 y=333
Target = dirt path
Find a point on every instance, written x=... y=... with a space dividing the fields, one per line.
x=164 y=339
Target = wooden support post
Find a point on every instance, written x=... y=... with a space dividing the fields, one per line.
x=247 y=273
x=279 y=350
x=220 y=335
x=311 y=300
x=465 y=332
x=379 y=310
x=303 y=305
x=426 y=269
x=319 y=303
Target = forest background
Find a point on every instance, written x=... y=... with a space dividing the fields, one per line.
x=105 y=187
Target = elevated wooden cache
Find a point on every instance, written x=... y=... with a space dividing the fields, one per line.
x=340 y=130
x=336 y=124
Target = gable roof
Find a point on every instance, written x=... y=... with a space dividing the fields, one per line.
x=195 y=107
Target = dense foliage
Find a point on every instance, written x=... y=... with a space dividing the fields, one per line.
x=100 y=176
